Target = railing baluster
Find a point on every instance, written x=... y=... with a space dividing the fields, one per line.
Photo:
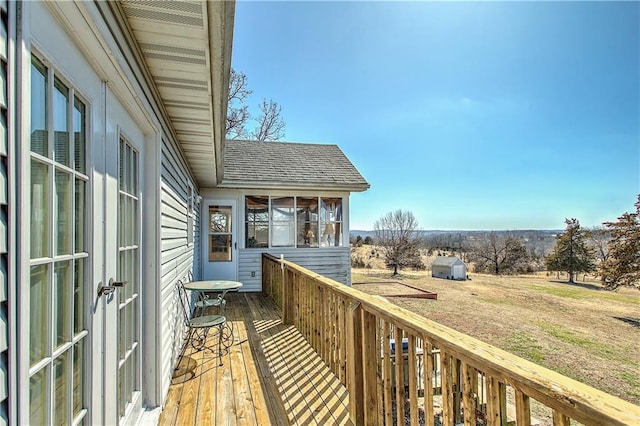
x=523 y=411
x=370 y=351
x=493 y=402
x=399 y=360
x=413 y=380
x=560 y=419
x=427 y=359
x=386 y=372
x=446 y=376
x=469 y=388
x=354 y=361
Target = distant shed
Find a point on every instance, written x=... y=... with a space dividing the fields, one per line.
x=449 y=267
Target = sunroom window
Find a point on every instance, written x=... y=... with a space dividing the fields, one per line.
x=303 y=222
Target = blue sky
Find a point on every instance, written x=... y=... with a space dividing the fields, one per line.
x=471 y=115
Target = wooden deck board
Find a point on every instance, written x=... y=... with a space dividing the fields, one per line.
x=270 y=375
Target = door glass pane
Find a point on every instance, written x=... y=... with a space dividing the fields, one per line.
x=220 y=227
x=128 y=270
x=220 y=248
x=63 y=210
x=78 y=295
x=78 y=381
x=39 y=210
x=80 y=213
x=60 y=124
x=62 y=304
x=39 y=141
x=39 y=314
x=79 y=134
x=60 y=391
x=38 y=407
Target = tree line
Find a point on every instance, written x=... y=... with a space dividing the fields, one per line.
x=612 y=251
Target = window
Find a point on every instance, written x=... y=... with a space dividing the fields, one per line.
x=307 y=215
x=282 y=222
x=59 y=260
x=257 y=222
x=293 y=222
x=331 y=221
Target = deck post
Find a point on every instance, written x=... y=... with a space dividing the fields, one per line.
x=355 y=379
x=370 y=355
x=287 y=294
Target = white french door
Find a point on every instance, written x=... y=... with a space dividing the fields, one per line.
x=80 y=356
x=59 y=341
x=122 y=235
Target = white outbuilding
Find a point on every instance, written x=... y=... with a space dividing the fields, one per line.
x=449 y=267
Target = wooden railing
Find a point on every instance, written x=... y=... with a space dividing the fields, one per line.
x=355 y=334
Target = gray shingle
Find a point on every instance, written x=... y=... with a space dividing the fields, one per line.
x=286 y=164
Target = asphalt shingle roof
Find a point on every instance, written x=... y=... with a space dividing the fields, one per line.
x=252 y=164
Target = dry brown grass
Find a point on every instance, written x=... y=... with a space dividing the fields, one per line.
x=578 y=330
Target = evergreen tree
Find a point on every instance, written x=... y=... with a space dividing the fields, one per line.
x=622 y=266
x=572 y=253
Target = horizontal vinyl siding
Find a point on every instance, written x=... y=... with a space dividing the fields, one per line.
x=333 y=263
x=4 y=226
x=176 y=257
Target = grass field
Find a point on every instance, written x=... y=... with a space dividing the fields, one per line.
x=578 y=330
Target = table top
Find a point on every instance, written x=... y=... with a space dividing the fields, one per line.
x=213 y=285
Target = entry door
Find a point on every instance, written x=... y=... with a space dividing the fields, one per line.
x=220 y=246
x=122 y=306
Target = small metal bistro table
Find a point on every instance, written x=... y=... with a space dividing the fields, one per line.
x=222 y=287
x=213 y=286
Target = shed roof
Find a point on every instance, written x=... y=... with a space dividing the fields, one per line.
x=254 y=164
x=446 y=261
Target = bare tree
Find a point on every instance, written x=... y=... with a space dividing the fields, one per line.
x=397 y=235
x=599 y=238
x=237 y=111
x=269 y=124
x=498 y=253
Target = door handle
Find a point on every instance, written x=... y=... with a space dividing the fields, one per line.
x=108 y=289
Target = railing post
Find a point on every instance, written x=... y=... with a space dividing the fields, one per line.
x=287 y=292
x=370 y=356
x=355 y=379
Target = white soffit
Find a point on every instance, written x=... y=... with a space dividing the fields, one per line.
x=187 y=66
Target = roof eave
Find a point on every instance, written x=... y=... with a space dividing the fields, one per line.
x=220 y=22
x=293 y=185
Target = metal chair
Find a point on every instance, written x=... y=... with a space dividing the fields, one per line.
x=204 y=301
x=199 y=326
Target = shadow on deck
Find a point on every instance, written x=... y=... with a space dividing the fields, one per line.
x=271 y=375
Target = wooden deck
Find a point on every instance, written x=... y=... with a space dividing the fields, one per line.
x=271 y=375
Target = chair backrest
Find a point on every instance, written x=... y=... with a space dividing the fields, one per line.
x=190 y=275
x=184 y=301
